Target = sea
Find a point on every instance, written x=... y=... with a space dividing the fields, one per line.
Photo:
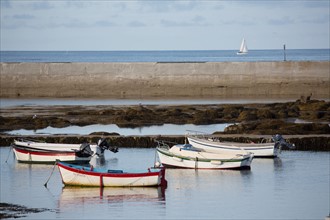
x=166 y=56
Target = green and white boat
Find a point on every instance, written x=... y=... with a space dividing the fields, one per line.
x=186 y=156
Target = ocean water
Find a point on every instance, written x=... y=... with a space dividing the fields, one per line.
x=165 y=56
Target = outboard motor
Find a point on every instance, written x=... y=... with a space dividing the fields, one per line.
x=84 y=150
x=104 y=145
x=280 y=141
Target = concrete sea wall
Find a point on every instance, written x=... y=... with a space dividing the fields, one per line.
x=166 y=80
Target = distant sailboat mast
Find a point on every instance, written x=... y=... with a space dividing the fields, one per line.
x=243 y=49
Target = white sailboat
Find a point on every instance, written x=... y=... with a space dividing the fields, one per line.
x=243 y=49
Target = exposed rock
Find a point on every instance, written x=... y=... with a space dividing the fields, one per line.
x=255 y=118
x=8 y=210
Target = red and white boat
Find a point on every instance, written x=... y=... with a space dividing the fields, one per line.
x=76 y=175
x=28 y=151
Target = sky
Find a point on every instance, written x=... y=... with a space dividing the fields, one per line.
x=108 y=25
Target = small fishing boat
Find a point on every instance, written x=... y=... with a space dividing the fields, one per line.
x=76 y=175
x=29 y=151
x=186 y=156
x=209 y=144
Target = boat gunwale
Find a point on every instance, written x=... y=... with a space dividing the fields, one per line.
x=233 y=147
x=72 y=168
x=44 y=145
x=45 y=153
x=167 y=153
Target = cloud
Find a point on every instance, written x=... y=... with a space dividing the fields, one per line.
x=316 y=4
x=12 y=26
x=103 y=23
x=41 y=5
x=170 y=23
x=23 y=16
x=76 y=4
x=195 y=21
x=184 y=5
x=71 y=24
x=283 y=21
x=5 y=4
x=160 y=22
x=136 y=24
x=238 y=22
x=317 y=20
x=198 y=19
x=75 y=23
x=167 y=6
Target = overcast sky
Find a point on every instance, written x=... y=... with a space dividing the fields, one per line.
x=163 y=25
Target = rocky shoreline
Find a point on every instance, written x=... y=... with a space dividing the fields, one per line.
x=252 y=122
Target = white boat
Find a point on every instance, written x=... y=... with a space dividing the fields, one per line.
x=186 y=156
x=243 y=49
x=24 y=155
x=258 y=149
x=75 y=175
x=28 y=151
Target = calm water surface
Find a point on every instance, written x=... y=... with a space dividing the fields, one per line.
x=165 y=129
x=294 y=186
x=7 y=102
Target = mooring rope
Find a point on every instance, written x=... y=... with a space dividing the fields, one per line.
x=50 y=174
x=11 y=148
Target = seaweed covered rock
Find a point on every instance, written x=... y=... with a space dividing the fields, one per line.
x=277 y=126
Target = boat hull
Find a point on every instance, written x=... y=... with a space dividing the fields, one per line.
x=73 y=176
x=31 y=156
x=259 y=150
x=54 y=146
x=198 y=160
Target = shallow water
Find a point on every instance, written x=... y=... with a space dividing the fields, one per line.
x=293 y=186
x=165 y=129
x=8 y=102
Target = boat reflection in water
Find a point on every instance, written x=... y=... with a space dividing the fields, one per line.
x=81 y=196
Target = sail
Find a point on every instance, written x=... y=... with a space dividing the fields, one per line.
x=243 y=48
